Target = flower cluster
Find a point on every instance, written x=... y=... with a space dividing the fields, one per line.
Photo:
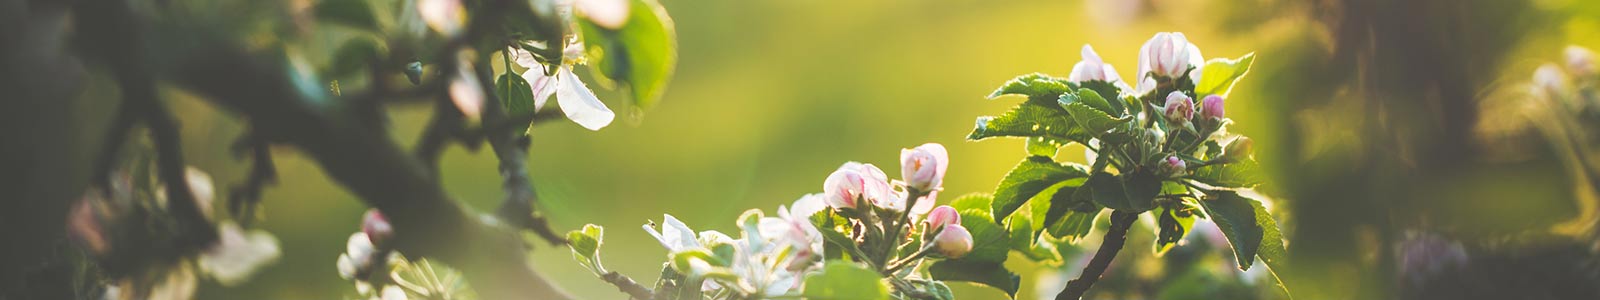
x=381 y=273
x=861 y=214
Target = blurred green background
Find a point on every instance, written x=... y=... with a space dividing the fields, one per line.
x=772 y=95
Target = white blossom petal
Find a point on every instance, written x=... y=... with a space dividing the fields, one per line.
x=238 y=254
x=579 y=103
x=543 y=86
x=445 y=16
x=610 y=14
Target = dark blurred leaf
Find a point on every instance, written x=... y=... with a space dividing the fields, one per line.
x=1068 y=217
x=1030 y=176
x=1173 y=221
x=1247 y=225
x=1133 y=192
x=845 y=280
x=986 y=273
x=353 y=13
x=355 y=55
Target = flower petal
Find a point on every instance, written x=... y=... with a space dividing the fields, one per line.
x=580 y=104
x=238 y=254
x=543 y=85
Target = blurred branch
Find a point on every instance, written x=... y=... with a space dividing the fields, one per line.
x=627 y=285
x=512 y=150
x=1112 y=243
x=243 y=200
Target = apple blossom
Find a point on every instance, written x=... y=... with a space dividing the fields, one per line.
x=445 y=16
x=923 y=167
x=953 y=241
x=942 y=216
x=1172 y=166
x=1092 y=68
x=1167 y=55
x=854 y=182
x=611 y=14
x=577 y=101
x=1179 y=108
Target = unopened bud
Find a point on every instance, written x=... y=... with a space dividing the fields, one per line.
x=1172 y=166
x=1211 y=108
x=953 y=242
x=942 y=216
x=377 y=227
x=1179 y=108
x=923 y=167
x=1168 y=55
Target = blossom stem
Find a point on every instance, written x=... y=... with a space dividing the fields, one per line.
x=1112 y=243
x=903 y=262
x=893 y=225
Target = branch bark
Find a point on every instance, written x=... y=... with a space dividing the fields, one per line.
x=1114 y=239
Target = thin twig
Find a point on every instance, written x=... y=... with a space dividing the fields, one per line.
x=243 y=200
x=1115 y=237
x=627 y=285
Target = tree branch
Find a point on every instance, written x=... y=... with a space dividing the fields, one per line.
x=627 y=285
x=1115 y=237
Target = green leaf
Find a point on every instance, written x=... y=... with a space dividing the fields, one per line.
x=1036 y=86
x=1108 y=91
x=1092 y=99
x=1133 y=192
x=1248 y=227
x=844 y=280
x=1031 y=119
x=1042 y=146
x=354 y=55
x=642 y=53
x=1241 y=174
x=1173 y=221
x=1067 y=216
x=1027 y=179
x=989 y=240
x=517 y=96
x=1091 y=120
x=585 y=245
x=972 y=201
x=353 y=13
x=1219 y=75
x=986 y=273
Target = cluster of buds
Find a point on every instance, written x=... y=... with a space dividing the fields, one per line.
x=368 y=256
x=886 y=224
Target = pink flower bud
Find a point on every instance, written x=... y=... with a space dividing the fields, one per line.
x=953 y=242
x=376 y=227
x=1179 y=108
x=941 y=216
x=1211 y=108
x=1091 y=68
x=854 y=182
x=1172 y=166
x=923 y=167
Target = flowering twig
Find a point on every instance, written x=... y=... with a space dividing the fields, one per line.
x=627 y=285
x=1112 y=243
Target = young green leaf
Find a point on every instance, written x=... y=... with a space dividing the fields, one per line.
x=642 y=53
x=1132 y=192
x=981 y=272
x=988 y=238
x=843 y=280
x=1219 y=75
x=1093 y=99
x=1030 y=119
x=1027 y=179
x=972 y=201
x=1043 y=146
x=585 y=245
x=1247 y=225
x=517 y=96
x=1173 y=221
x=1067 y=216
x=1091 y=120
x=1241 y=174
x=1036 y=86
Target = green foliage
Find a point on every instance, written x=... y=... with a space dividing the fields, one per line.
x=1091 y=120
x=585 y=244
x=353 y=13
x=1219 y=75
x=1036 y=86
x=517 y=96
x=1242 y=174
x=990 y=274
x=1067 y=216
x=843 y=280
x=1027 y=179
x=1173 y=221
x=1249 y=228
x=642 y=53
x=1132 y=192
x=354 y=55
x=1031 y=119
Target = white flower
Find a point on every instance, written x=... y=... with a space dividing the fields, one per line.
x=393 y=292
x=1167 y=55
x=237 y=253
x=1093 y=68
x=357 y=256
x=576 y=100
x=793 y=228
x=674 y=235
